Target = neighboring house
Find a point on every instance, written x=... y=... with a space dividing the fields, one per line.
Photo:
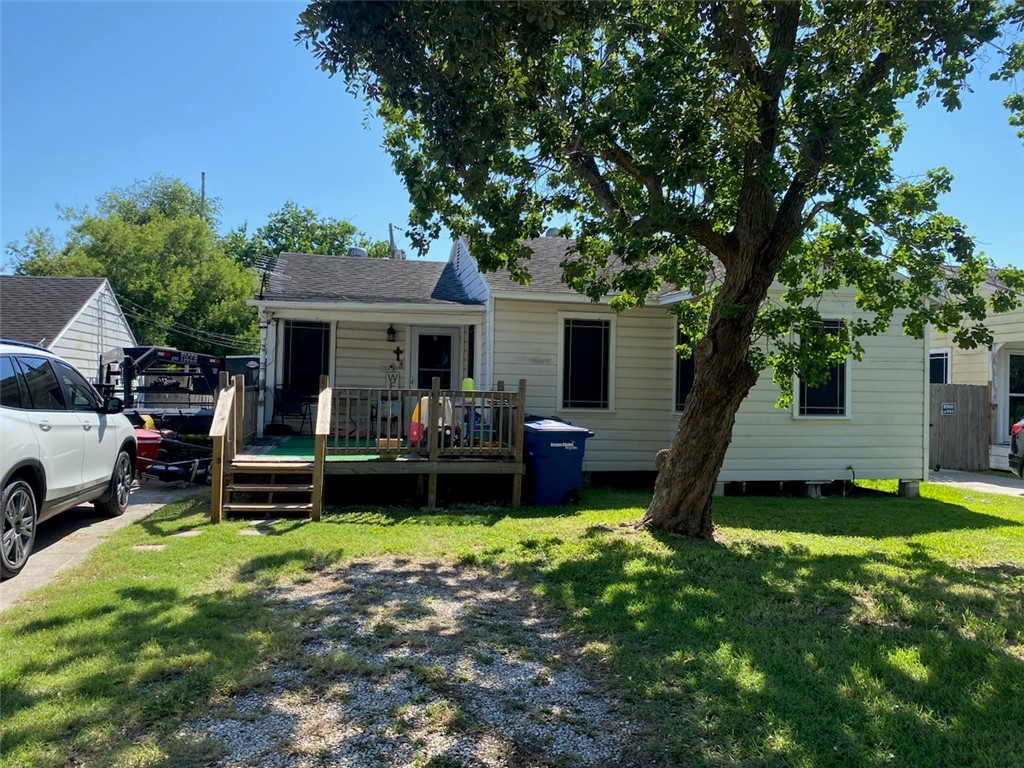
x=615 y=373
x=999 y=366
x=78 y=318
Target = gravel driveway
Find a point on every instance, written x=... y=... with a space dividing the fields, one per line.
x=418 y=663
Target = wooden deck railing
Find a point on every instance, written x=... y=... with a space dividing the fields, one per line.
x=392 y=422
x=435 y=424
x=229 y=434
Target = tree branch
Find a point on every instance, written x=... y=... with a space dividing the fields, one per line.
x=583 y=163
x=814 y=153
x=756 y=199
x=622 y=158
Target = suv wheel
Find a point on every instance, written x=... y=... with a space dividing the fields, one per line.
x=120 y=487
x=19 y=527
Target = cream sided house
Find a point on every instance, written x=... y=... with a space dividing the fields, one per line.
x=999 y=367
x=395 y=323
x=78 y=318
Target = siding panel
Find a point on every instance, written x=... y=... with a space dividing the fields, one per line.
x=882 y=438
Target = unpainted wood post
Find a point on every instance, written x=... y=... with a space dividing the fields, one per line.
x=433 y=417
x=319 y=454
x=499 y=416
x=520 y=420
x=217 y=483
x=239 y=414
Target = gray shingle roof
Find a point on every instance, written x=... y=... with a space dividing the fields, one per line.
x=305 y=277
x=36 y=309
x=544 y=267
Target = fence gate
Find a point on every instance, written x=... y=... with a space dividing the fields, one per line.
x=961 y=426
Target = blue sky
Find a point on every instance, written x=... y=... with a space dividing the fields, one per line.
x=97 y=95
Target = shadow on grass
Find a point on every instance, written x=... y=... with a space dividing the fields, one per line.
x=177 y=517
x=112 y=675
x=465 y=516
x=768 y=655
x=870 y=515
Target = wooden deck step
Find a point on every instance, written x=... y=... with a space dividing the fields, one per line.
x=269 y=488
x=265 y=508
x=266 y=467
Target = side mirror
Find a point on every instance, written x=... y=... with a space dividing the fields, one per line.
x=113 y=405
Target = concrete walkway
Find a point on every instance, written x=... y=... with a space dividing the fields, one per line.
x=65 y=540
x=1003 y=483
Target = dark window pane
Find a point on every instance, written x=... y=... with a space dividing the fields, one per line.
x=1016 y=388
x=81 y=395
x=829 y=397
x=305 y=355
x=685 y=371
x=939 y=368
x=43 y=387
x=10 y=391
x=434 y=359
x=585 y=374
x=1017 y=374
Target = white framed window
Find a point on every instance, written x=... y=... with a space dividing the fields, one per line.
x=586 y=362
x=686 y=370
x=939 y=366
x=830 y=398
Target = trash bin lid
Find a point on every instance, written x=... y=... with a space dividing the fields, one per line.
x=554 y=425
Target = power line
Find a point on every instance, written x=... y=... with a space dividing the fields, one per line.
x=231 y=342
x=147 y=314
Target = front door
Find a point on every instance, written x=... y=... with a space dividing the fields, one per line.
x=436 y=354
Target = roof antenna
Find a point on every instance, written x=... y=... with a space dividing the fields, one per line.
x=393 y=251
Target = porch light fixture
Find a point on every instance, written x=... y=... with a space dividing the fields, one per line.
x=391 y=334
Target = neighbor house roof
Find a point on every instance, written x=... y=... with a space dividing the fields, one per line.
x=358 y=279
x=38 y=309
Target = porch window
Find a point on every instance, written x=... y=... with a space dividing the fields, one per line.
x=586 y=368
x=1016 y=388
x=685 y=372
x=829 y=397
x=306 y=356
x=938 y=371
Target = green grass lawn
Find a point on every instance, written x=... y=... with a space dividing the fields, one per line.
x=865 y=631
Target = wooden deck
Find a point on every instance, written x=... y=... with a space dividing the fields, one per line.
x=301 y=448
x=368 y=432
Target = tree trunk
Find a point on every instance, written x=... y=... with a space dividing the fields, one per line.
x=689 y=468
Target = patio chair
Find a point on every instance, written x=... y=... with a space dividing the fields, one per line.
x=288 y=403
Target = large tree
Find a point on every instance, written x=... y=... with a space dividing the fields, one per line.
x=154 y=241
x=299 y=230
x=714 y=147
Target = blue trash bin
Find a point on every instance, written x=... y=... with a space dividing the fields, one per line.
x=554 y=451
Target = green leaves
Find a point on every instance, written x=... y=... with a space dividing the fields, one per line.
x=671 y=137
x=298 y=230
x=155 y=243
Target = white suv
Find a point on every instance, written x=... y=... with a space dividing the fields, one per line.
x=60 y=445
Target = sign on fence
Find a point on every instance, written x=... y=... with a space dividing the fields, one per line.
x=961 y=442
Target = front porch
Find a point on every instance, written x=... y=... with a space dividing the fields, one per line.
x=365 y=431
